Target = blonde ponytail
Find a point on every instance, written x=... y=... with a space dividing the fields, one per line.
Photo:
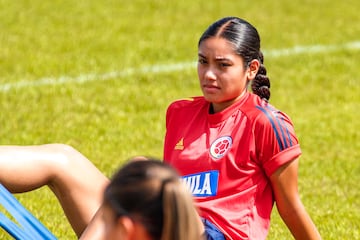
x=180 y=220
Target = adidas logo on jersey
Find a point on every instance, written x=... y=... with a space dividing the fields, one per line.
x=180 y=145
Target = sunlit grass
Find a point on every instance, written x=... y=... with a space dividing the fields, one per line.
x=111 y=120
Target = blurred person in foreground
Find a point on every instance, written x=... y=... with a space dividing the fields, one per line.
x=146 y=200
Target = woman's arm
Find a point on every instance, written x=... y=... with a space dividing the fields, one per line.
x=292 y=211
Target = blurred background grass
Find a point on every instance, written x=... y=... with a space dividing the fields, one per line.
x=110 y=119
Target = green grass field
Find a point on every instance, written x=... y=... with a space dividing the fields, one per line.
x=98 y=75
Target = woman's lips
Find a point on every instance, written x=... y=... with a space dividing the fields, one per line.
x=210 y=88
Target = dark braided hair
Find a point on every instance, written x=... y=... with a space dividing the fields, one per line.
x=261 y=84
x=246 y=42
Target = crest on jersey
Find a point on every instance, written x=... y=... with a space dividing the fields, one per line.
x=220 y=147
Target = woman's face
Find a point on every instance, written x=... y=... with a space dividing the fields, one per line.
x=223 y=77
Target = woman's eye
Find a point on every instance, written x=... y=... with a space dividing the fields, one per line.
x=202 y=61
x=224 y=64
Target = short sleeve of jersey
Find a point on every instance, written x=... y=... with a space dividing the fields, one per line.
x=175 y=107
x=179 y=113
x=275 y=139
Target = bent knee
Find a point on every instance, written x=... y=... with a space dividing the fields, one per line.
x=61 y=156
x=59 y=148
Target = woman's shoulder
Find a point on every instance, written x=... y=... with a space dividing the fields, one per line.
x=187 y=102
x=260 y=110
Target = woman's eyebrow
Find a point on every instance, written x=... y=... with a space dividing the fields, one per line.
x=219 y=58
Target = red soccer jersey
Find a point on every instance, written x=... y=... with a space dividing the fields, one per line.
x=226 y=159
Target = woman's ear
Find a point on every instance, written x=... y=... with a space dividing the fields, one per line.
x=253 y=69
x=131 y=229
x=127 y=226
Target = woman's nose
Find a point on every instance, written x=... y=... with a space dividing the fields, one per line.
x=210 y=74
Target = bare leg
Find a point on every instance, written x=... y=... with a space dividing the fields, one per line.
x=96 y=228
x=75 y=181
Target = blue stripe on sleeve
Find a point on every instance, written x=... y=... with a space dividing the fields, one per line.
x=282 y=126
x=274 y=127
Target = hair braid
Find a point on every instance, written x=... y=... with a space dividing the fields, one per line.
x=261 y=83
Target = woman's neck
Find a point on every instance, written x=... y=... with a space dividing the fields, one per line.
x=218 y=107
